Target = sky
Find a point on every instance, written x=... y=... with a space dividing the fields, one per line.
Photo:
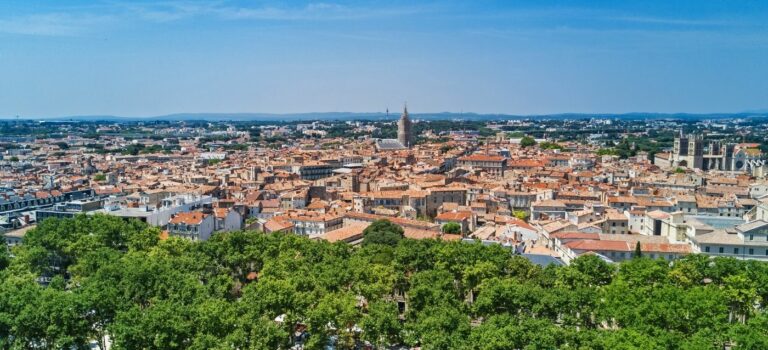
x=141 y=58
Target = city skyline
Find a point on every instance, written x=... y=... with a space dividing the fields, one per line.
x=138 y=59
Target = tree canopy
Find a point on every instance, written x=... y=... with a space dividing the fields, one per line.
x=527 y=141
x=75 y=281
x=451 y=228
x=382 y=231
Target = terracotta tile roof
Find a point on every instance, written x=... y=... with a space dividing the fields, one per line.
x=596 y=245
x=189 y=218
x=405 y=223
x=42 y=195
x=346 y=233
x=220 y=213
x=526 y=163
x=454 y=216
x=277 y=225
x=575 y=235
x=481 y=158
x=665 y=248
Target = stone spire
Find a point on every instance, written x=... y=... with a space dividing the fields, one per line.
x=404 y=129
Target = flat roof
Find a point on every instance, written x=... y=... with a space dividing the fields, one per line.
x=543 y=260
x=126 y=212
x=717 y=222
x=19 y=233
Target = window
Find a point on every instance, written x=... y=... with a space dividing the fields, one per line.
x=751 y=251
x=735 y=250
x=751 y=237
x=706 y=249
x=720 y=250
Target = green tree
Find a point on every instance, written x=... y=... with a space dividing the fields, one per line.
x=550 y=145
x=451 y=228
x=638 y=251
x=742 y=295
x=521 y=214
x=248 y=290
x=586 y=270
x=382 y=231
x=527 y=141
x=439 y=327
x=5 y=257
x=334 y=314
x=381 y=325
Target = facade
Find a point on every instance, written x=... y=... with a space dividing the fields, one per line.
x=744 y=241
x=314 y=171
x=689 y=152
x=227 y=219
x=194 y=225
x=160 y=213
x=494 y=165
x=465 y=219
x=68 y=209
x=315 y=225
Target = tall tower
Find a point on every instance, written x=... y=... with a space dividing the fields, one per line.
x=696 y=152
x=404 y=129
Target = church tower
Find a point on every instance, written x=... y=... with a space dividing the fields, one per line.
x=404 y=129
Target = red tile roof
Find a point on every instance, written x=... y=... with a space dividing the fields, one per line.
x=481 y=158
x=189 y=218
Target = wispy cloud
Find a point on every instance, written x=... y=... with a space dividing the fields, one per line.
x=178 y=10
x=670 y=21
x=50 y=24
x=78 y=21
x=605 y=17
x=71 y=21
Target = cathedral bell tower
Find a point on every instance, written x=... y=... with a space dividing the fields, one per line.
x=404 y=129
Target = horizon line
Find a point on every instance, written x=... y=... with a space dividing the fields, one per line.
x=268 y=114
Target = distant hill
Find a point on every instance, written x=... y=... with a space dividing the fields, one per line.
x=392 y=116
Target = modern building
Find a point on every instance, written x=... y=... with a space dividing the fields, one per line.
x=160 y=214
x=68 y=209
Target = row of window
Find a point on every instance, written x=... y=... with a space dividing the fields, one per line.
x=623 y=255
x=736 y=250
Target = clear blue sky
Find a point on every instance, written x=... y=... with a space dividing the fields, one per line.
x=136 y=58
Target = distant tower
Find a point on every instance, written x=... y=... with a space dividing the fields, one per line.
x=404 y=129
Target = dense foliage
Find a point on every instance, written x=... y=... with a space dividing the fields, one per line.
x=527 y=141
x=451 y=228
x=382 y=232
x=246 y=290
